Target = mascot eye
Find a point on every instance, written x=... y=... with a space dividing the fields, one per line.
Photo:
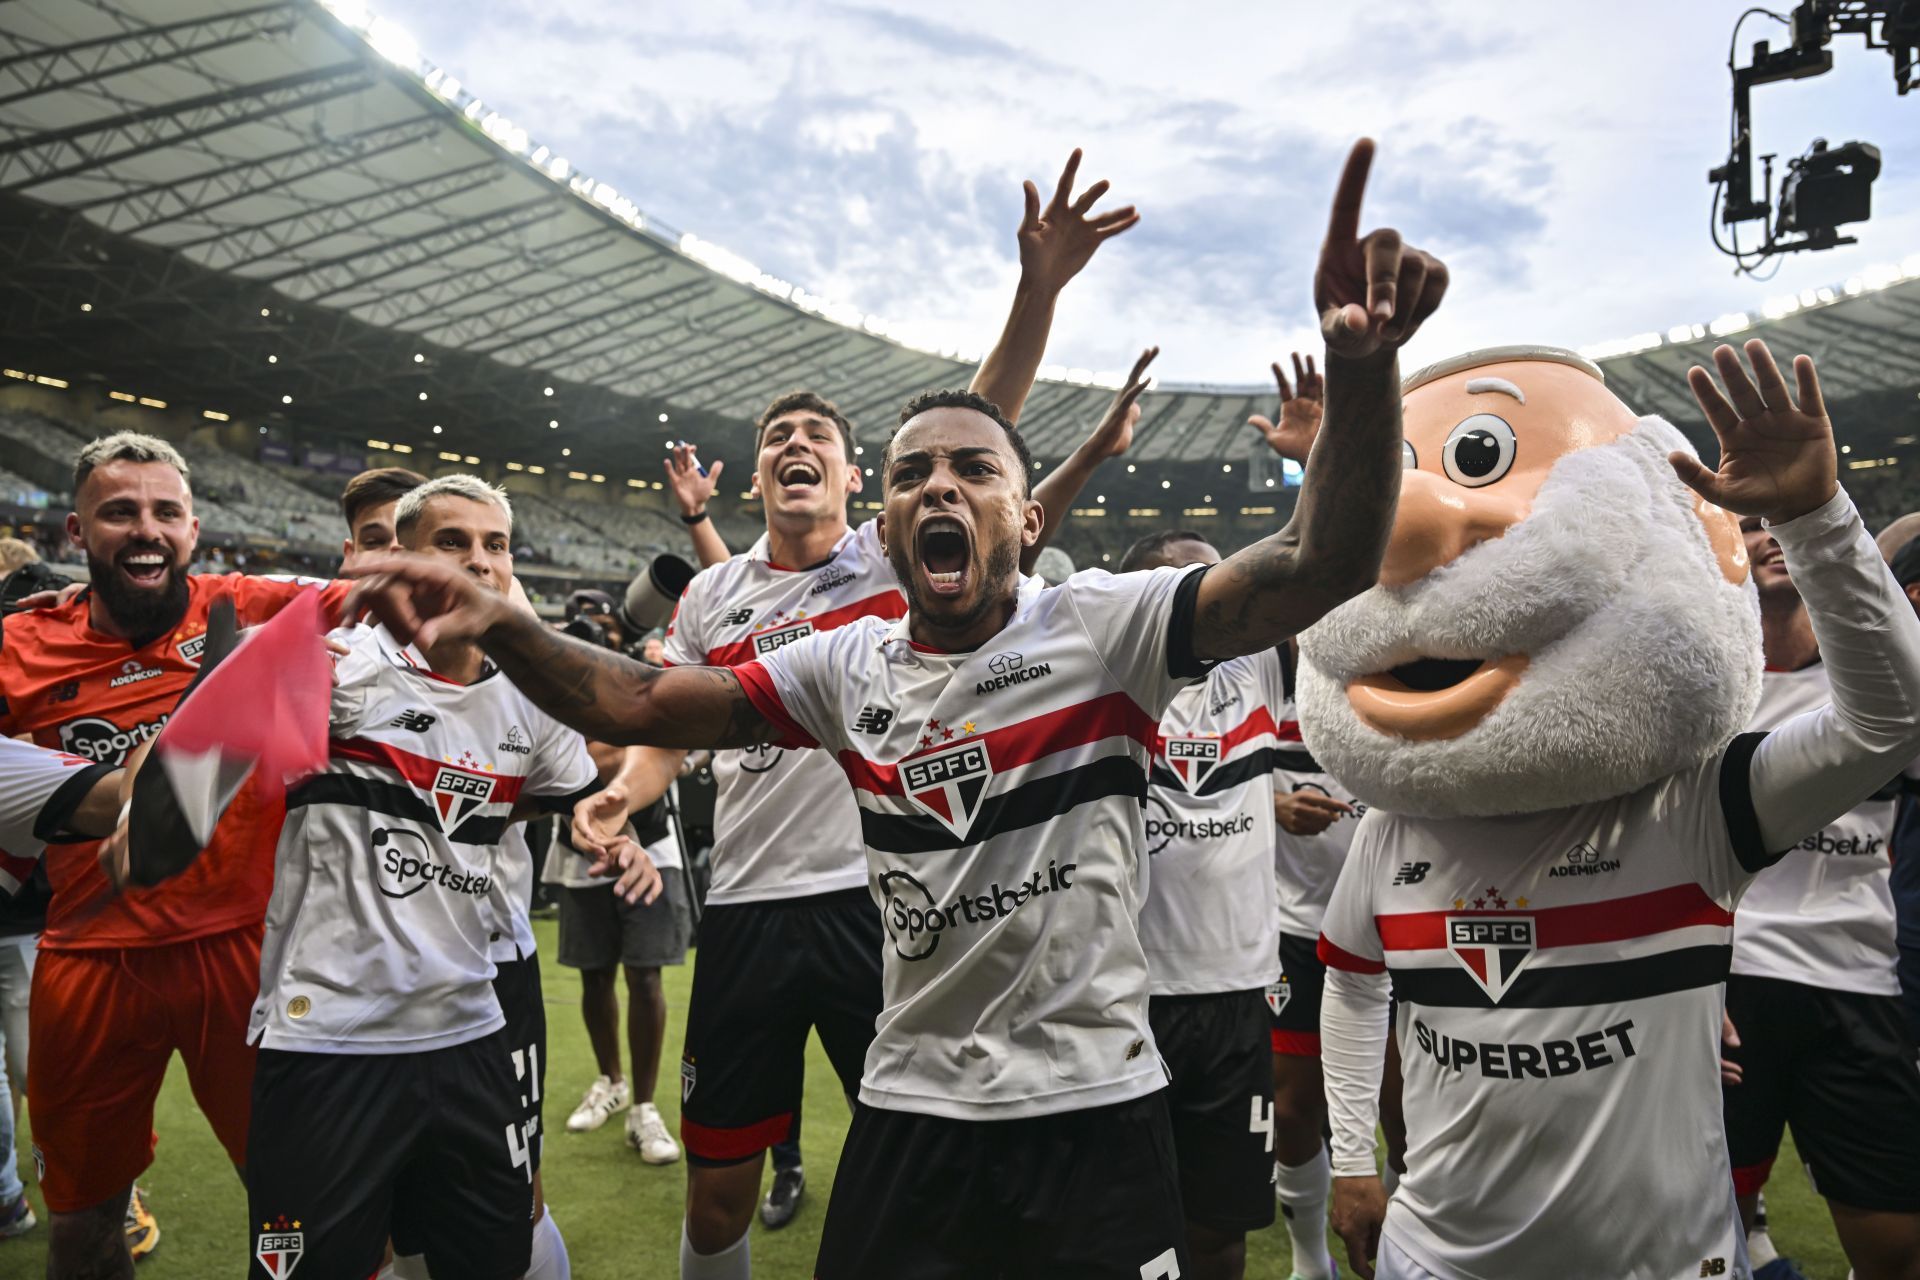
x=1479 y=451
x=1409 y=460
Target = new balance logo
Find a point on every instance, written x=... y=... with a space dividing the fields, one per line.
x=417 y=721
x=1713 y=1266
x=736 y=618
x=1412 y=872
x=873 y=720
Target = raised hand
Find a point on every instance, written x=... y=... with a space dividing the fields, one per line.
x=1114 y=435
x=1777 y=457
x=1057 y=241
x=689 y=488
x=1372 y=292
x=1291 y=430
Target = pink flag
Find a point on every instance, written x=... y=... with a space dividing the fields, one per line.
x=263 y=708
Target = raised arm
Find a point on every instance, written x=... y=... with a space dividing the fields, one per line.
x=693 y=489
x=1373 y=293
x=643 y=777
x=1112 y=437
x=1777 y=461
x=1055 y=243
x=604 y=695
x=1296 y=423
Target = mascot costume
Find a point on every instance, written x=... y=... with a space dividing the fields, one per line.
x=1542 y=703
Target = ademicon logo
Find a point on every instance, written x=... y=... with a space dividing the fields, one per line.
x=916 y=921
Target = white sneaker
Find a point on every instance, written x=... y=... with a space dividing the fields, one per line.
x=647 y=1134
x=604 y=1097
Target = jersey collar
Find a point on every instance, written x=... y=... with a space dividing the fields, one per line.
x=409 y=658
x=900 y=631
x=761 y=552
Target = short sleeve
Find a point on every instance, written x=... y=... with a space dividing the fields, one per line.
x=795 y=690
x=258 y=597
x=39 y=791
x=1349 y=938
x=1141 y=624
x=685 y=644
x=563 y=770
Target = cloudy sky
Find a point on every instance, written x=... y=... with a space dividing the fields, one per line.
x=1554 y=155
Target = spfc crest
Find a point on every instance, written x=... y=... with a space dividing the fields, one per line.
x=765 y=642
x=1494 y=949
x=950 y=784
x=687 y=1077
x=457 y=793
x=191 y=649
x=279 y=1251
x=1192 y=759
x=1278 y=993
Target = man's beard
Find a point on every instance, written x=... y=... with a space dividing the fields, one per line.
x=1643 y=658
x=143 y=614
x=1001 y=565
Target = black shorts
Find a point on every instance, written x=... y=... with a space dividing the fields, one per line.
x=346 y=1150
x=1220 y=1103
x=599 y=931
x=516 y=984
x=767 y=973
x=1838 y=1066
x=1293 y=1003
x=1078 y=1195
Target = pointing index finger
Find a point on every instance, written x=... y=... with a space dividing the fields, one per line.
x=1344 y=224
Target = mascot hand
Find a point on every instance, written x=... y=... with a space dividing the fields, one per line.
x=1372 y=292
x=1291 y=430
x=1777 y=458
x=1359 y=1207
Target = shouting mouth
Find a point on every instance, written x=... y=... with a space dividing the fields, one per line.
x=1432 y=698
x=797 y=476
x=946 y=555
x=145 y=568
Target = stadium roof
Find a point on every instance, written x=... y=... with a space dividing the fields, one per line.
x=280 y=211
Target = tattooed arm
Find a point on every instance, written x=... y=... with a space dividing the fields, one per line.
x=1373 y=292
x=606 y=697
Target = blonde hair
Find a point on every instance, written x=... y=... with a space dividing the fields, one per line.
x=125 y=446
x=407 y=512
x=15 y=553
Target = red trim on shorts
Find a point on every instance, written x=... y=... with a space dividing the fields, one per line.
x=1748 y=1179
x=735 y=1144
x=1296 y=1044
x=1333 y=956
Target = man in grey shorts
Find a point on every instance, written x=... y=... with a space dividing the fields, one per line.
x=599 y=934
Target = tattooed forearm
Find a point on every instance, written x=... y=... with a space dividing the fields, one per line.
x=594 y=690
x=611 y=698
x=1331 y=549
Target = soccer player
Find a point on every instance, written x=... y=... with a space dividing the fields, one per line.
x=376 y=985
x=1823 y=1044
x=369 y=503
x=123 y=981
x=1210 y=932
x=789 y=939
x=1011 y=1118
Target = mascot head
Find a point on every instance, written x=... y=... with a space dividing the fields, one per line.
x=1558 y=620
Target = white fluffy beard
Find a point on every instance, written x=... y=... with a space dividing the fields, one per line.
x=1644 y=659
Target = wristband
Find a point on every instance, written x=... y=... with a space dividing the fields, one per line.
x=695 y=518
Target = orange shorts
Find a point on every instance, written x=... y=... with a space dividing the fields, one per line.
x=103 y=1025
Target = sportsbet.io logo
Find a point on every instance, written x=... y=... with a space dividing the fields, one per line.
x=103 y=741
x=915 y=921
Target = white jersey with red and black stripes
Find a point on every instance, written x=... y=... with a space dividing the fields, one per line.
x=1306 y=867
x=1823 y=914
x=381 y=921
x=999 y=799
x=39 y=790
x=1209 y=924
x=1559 y=985
x=783 y=825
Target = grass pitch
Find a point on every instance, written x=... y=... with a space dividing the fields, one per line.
x=621 y=1218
